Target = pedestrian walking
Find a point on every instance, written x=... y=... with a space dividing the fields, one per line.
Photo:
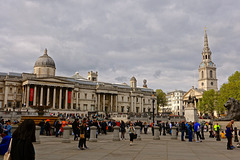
x=131 y=132
x=122 y=130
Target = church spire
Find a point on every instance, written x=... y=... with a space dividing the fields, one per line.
x=205 y=39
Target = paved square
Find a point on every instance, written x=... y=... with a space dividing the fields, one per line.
x=105 y=149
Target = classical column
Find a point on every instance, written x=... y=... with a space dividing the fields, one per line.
x=98 y=103
x=77 y=100
x=66 y=99
x=103 y=102
x=72 y=99
x=41 y=96
x=23 y=96
x=54 y=97
x=60 y=98
x=111 y=102
x=195 y=103
x=6 y=96
x=116 y=103
x=142 y=104
x=28 y=92
x=34 y=95
x=131 y=103
x=135 y=104
x=48 y=92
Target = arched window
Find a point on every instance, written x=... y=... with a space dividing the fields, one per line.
x=211 y=74
x=209 y=57
x=203 y=57
x=206 y=56
x=202 y=75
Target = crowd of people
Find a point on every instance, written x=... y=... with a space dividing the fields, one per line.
x=21 y=139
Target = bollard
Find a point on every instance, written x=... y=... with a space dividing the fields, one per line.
x=174 y=133
x=37 y=134
x=218 y=135
x=156 y=133
x=138 y=133
x=93 y=131
x=116 y=133
x=235 y=135
x=66 y=134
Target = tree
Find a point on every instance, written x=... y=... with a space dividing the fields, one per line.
x=161 y=98
x=227 y=90
x=208 y=102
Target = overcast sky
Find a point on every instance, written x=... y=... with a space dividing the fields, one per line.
x=157 y=40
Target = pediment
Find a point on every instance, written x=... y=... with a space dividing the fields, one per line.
x=193 y=92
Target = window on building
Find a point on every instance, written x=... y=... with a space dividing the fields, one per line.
x=183 y=107
x=128 y=99
x=137 y=109
x=9 y=104
x=85 y=95
x=1 y=90
x=128 y=109
x=177 y=107
x=144 y=110
x=211 y=76
x=122 y=109
x=209 y=57
x=92 y=96
x=183 y=113
x=212 y=83
x=206 y=56
x=10 y=90
x=178 y=113
x=85 y=107
x=137 y=99
x=92 y=108
x=202 y=74
x=19 y=90
x=203 y=57
x=122 y=98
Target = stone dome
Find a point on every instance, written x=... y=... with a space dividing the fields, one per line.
x=45 y=61
x=133 y=79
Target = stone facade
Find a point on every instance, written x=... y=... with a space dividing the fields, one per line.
x=175 y=102
x=71 y=94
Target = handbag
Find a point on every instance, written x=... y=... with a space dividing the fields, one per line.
x=82 y=136
x=7 y=155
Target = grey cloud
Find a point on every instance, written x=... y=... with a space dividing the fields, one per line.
x=157 y=73
x=122 y=38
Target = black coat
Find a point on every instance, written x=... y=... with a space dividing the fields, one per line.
x=22 y=150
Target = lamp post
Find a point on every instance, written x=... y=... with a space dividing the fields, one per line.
x=153 y=100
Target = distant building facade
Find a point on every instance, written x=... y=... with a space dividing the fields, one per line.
x=74 y=94
x=175 y=102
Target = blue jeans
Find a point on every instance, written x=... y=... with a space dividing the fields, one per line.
x=182 y=135
x=190 y=136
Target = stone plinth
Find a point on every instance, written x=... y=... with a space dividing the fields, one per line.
x=191 y=114
x=37 y=134
x=138 y=133
x=66 y=134
x=156 y=133
x=93 y=130
x=116 y=133
x=174 y=132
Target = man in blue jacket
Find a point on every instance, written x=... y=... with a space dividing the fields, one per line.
x=197 y=129
x=7 y=128
x=5 y=143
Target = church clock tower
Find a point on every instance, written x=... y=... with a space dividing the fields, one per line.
x=207 y=69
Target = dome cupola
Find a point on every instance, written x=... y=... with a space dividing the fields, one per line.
x=44 y=66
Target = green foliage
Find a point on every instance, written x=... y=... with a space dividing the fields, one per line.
x=230 y=89
x=161 y=98
x=208 y=102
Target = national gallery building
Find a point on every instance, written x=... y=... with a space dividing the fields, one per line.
x=19 y=91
